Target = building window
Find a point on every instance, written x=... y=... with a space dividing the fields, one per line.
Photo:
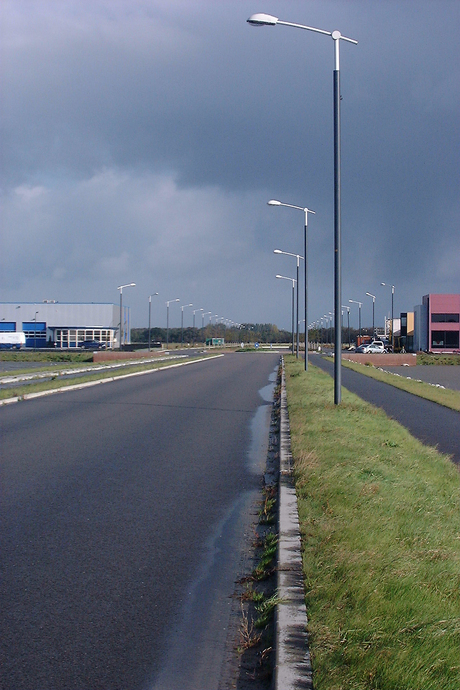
x=445 y=318
x=72 y=337
x=37 y=335
x=452 y=338
x=445 y=339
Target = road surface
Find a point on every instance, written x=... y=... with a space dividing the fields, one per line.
x=431 y=423
x=125 y=509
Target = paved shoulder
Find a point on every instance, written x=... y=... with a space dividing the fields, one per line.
x=431 y=423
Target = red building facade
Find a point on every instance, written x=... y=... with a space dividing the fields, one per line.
x=443 y=316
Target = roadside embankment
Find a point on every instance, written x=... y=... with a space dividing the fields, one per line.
x=388 y=359
x=380 y=525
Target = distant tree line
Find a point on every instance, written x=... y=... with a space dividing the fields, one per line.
x=247 y=333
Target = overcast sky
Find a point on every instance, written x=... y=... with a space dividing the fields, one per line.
x=142 y=139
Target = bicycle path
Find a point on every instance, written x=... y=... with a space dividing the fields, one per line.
x=440 y=375
x=431 y=423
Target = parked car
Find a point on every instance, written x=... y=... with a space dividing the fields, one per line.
x=362 y=348
x=376 y=347
x=93 y=345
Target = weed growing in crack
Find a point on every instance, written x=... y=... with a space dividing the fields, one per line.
x=248 y=638
x=266 y=565
x=266 y=609
x=267 y=513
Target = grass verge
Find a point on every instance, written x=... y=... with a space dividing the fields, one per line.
x=380 y=524
x=442 y=396
x=37 y=356
x=431 y=359
x=56 y=383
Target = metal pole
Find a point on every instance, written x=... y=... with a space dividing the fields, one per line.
x=305 y=255
x=35 y=332
x=392 y=320
x=297 y=311
x=167 y=324
x=150 y=309
x=337 y=228
x=293 y=328
x=121 y=322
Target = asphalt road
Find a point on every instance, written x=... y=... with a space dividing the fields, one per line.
x=431 y=423
x=124 y=517
x=442 y=375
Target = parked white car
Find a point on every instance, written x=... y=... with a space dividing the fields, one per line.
x=376 y=347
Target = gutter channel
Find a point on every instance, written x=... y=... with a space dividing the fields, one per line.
x=293 y=662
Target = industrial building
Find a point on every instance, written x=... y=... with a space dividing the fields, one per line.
x=65 y=325
x=437 y=324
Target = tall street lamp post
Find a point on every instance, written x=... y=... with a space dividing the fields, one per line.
x=150 y=310
x=266 y=19
x=360 y=304
x=274 y=202
x=293 y=300
x=326 y=337
x=122 y=330
x=194 y=312
x=348 y=317
x=298 y=257
x=167 y=318
x=373 y=313
x=35 y=331
x=392 y=314
x=182 y=321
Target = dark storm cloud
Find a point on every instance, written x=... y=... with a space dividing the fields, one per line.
x=143 y=138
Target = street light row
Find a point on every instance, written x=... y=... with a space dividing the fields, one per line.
x=261 y=19
x=373 y=297
x=226 y=322
x=360 y=304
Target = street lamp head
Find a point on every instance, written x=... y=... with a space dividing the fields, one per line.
x=287 y=278
x=273 y=202
x=277 y=251
x=261 y=19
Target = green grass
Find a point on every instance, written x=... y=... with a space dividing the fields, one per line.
x=425 y=358
x=380 y=524
x=442 y=396
x=55 y=383
x=37 y=356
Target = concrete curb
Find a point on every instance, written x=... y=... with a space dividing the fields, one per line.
x=293 y=664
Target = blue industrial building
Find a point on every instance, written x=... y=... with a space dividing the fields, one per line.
x=65 y=325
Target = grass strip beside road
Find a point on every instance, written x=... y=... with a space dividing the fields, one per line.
x=380 y=523
x=61 y=384
x=442 y=396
